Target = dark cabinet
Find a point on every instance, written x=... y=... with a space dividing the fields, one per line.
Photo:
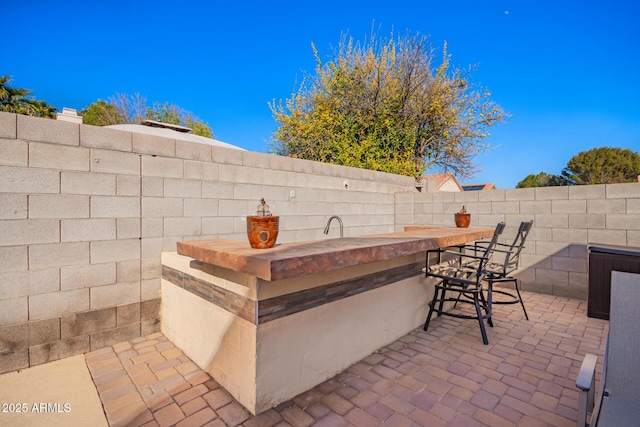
x=602 y=261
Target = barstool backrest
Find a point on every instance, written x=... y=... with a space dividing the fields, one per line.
x=512 y=258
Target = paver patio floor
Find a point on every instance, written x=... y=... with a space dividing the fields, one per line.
x=442 y=377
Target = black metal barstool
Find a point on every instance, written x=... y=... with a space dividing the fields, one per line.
x=463 y=274
x=504 y=263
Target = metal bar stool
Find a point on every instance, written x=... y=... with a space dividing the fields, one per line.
x=462 y=273
x=505 y=262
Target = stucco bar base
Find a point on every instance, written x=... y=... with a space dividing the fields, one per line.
x=268 y=341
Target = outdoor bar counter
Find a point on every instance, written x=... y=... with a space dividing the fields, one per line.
x=268 y=324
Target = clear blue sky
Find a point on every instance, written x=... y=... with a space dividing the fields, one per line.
x=568 y=71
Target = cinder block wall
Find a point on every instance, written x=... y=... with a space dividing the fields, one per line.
x=566 y=221
x=86 y=211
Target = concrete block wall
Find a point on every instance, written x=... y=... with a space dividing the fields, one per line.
x=566 y=221
x=86 y=212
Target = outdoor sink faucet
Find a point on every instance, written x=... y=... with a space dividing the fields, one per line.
x=326 y=229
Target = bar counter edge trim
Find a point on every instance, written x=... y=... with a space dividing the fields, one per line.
x=284 y=305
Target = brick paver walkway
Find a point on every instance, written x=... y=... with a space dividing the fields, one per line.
x=442 y=377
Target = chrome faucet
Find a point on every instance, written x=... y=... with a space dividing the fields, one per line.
x=326 y=229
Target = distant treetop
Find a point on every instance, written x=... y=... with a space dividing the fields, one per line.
x=605 y=165
x=123 y=109
x=19 y=101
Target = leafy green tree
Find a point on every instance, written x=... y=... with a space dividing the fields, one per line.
x=11 y=99
x=17 y=100
x=101 y=113
x=383 y=105
x=4 y=90
x=37 y=108
x=200 y=128
x=605 y=165
x=542 y=179
x=170 y=113
x=165 y=113
x=123 y=108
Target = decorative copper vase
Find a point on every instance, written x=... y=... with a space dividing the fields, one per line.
x=262 y=231
x=462 y=220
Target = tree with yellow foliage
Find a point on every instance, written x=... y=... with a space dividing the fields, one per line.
x=383 y=105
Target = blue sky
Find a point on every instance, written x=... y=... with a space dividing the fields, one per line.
x=567 y=71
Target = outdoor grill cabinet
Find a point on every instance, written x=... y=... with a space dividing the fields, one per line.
x=603 y=260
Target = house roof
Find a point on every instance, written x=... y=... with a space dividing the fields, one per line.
x=166 y=132
x=478 y=187
x=444 y=181
x=157 y=124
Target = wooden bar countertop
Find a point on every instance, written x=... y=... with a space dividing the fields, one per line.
x=288 y=260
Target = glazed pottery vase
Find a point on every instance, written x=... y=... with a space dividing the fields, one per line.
x=463 y=220
x=262 y=231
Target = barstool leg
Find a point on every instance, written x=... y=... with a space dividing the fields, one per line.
x=443 y=294
x=480 y=319
x=431 y=307
x=520 y=298
x=486 y=303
